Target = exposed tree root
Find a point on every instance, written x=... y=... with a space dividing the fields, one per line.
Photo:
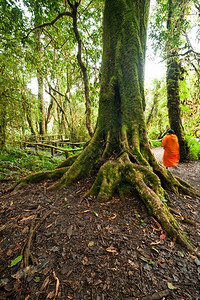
x=128 y=171
x=121 y=176
x=37 y=177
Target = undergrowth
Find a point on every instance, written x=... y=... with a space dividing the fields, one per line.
x=17 y=162
x=156 y=143
x=194 y=146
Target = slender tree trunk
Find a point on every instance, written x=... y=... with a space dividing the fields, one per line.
x=173 y=75
x=174 y=111
x=83 y=67
x=3 y=122
x=42 y=125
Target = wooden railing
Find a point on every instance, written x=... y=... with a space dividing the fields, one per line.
x=53 y=142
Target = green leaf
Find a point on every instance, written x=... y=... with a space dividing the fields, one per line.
x=144 y=259
x=163 y=199
x=3 y=281
x=151 y=262
x=155 y=249
x=171 y=287
x=2 y=227
x=96 y=214
x=37 y=279
x=15 y=261
x=143 y=222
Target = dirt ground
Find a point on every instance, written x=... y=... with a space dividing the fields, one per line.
x=77 y=249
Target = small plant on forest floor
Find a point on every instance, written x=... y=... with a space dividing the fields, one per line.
x=17 y=162
x=194 y=148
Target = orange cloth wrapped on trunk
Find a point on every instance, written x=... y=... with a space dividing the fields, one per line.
x=171 y=150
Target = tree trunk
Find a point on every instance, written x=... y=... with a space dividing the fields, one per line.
x=42 y=128
x=173 y=75
x=3 y=122
x=42 y=125
x=83 y=68
x=119 y=151
x=173 y=104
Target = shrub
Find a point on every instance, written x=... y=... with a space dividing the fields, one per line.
x=194 y=146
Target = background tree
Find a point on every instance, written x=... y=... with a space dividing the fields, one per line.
x=170 y=27
x=175 y=20
x=12 y=71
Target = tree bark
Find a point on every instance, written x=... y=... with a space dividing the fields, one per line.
x=173 y=76
x=42 y=127
x=82 y=66
x=3 y=122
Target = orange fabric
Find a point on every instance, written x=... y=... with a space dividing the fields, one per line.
x=171 y=150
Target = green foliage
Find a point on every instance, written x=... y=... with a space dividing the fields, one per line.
x=156 y=110
x=155 y=143
x=16 y=162
x=194 y=148
x=52 y=53
x=15 y=261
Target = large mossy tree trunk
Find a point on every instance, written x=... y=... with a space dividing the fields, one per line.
x=119 y=153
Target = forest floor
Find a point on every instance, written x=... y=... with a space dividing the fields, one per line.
x=88 y=250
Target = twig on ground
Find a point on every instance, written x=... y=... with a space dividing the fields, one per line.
x=26 y=251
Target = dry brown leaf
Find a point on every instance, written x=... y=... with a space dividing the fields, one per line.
x=69 y=273
x=130 y=273
x=91 y=244
x=27 y=297
x=27 y=218
x=83 y=212
x=50 y=295
x=9 y=252
x=155 y=243
x=113 y=217
x=45 y=282
x=69 y=231
x=159 y=226
x=98 y=282
x=190 y=207
x=173 y=241
x=111 y=249
x=85 y=260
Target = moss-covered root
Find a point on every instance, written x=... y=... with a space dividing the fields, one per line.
x=37 y=177
x=184 y=186
x=67 y=162
x=84 y=165
x=113 y=175
x=176 y=184
x=169 y=181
